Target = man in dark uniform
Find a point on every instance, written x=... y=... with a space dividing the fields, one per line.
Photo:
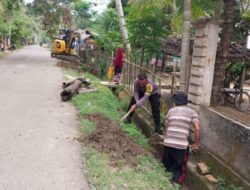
x=145 y=89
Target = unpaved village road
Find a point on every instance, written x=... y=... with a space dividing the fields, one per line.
x=37 y=130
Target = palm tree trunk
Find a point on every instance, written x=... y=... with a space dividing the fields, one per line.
x=184 y=73
x=222 y=51
x=5 y=43
x=243 y=75
x=218 y=8
x=228 y=77
x=142 y=59
x=163 y=63
x=123 y=29
x=10 y=27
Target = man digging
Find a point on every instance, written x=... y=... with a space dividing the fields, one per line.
x=145 y=89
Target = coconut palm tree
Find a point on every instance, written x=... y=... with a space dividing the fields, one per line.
x=123 y=29
x=185 y=63
x=222 y=51
x=183 y=13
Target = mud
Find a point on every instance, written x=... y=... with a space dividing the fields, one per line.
x=109 y=138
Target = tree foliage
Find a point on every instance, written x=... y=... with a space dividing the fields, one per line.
x=242 y=22
x=7 y=7
x=148 y=26
x=67 y=14
x=15 y=23
x=107 y=27
x=200 y=8
x=51 y=14
x=112 y=3
x=83 y=15
x=23 y=29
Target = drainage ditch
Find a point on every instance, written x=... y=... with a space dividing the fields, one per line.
x=225 y=178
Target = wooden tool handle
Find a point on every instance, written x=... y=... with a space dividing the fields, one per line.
x=126 y=115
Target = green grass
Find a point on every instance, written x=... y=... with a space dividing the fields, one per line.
x=153 y=171
x=87 y=127
x=148 y=175
x=224 y=185
x=136 y=135
x=102 y=101
x=68 y=73
x=124 y=103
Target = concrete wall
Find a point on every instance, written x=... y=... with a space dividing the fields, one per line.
x=227 y=139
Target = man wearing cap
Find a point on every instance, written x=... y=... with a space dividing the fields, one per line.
x=179 y=120
x=145 y=89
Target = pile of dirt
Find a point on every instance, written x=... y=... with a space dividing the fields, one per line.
x=69 y=65
x=110 y=139
x=156 y=139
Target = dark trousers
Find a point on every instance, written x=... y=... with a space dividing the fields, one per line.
x=118 y=70
x=175 y=161
x=155 y=107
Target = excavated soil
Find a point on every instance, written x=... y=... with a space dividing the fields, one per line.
x=242 y=117
x=68 y=65
x=77 y=67
x=156 y=139
x=110 y=139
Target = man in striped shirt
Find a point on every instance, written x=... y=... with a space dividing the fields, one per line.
x=180 y=119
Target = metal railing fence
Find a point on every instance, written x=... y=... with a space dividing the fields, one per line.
x=102 y=61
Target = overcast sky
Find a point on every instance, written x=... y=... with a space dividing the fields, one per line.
x=100 y=7
x=101 y=4
x=28 y=1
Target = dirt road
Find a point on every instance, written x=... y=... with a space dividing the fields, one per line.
x=37 y=130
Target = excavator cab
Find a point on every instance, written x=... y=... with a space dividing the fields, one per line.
x=73 y=45
x=64 y=45
x=59 y=46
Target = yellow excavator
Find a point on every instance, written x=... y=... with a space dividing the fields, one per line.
x=72 y=45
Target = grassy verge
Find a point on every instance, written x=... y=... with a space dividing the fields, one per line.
x=224 y=185
x=147 y=175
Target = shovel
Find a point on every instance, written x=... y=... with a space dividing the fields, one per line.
x=126 y=115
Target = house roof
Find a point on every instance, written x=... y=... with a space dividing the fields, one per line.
x=237 y=52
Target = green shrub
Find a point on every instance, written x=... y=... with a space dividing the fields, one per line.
x=223 y=185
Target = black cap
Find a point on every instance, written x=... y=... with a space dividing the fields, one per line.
x=180 y=98
x=142 y=76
